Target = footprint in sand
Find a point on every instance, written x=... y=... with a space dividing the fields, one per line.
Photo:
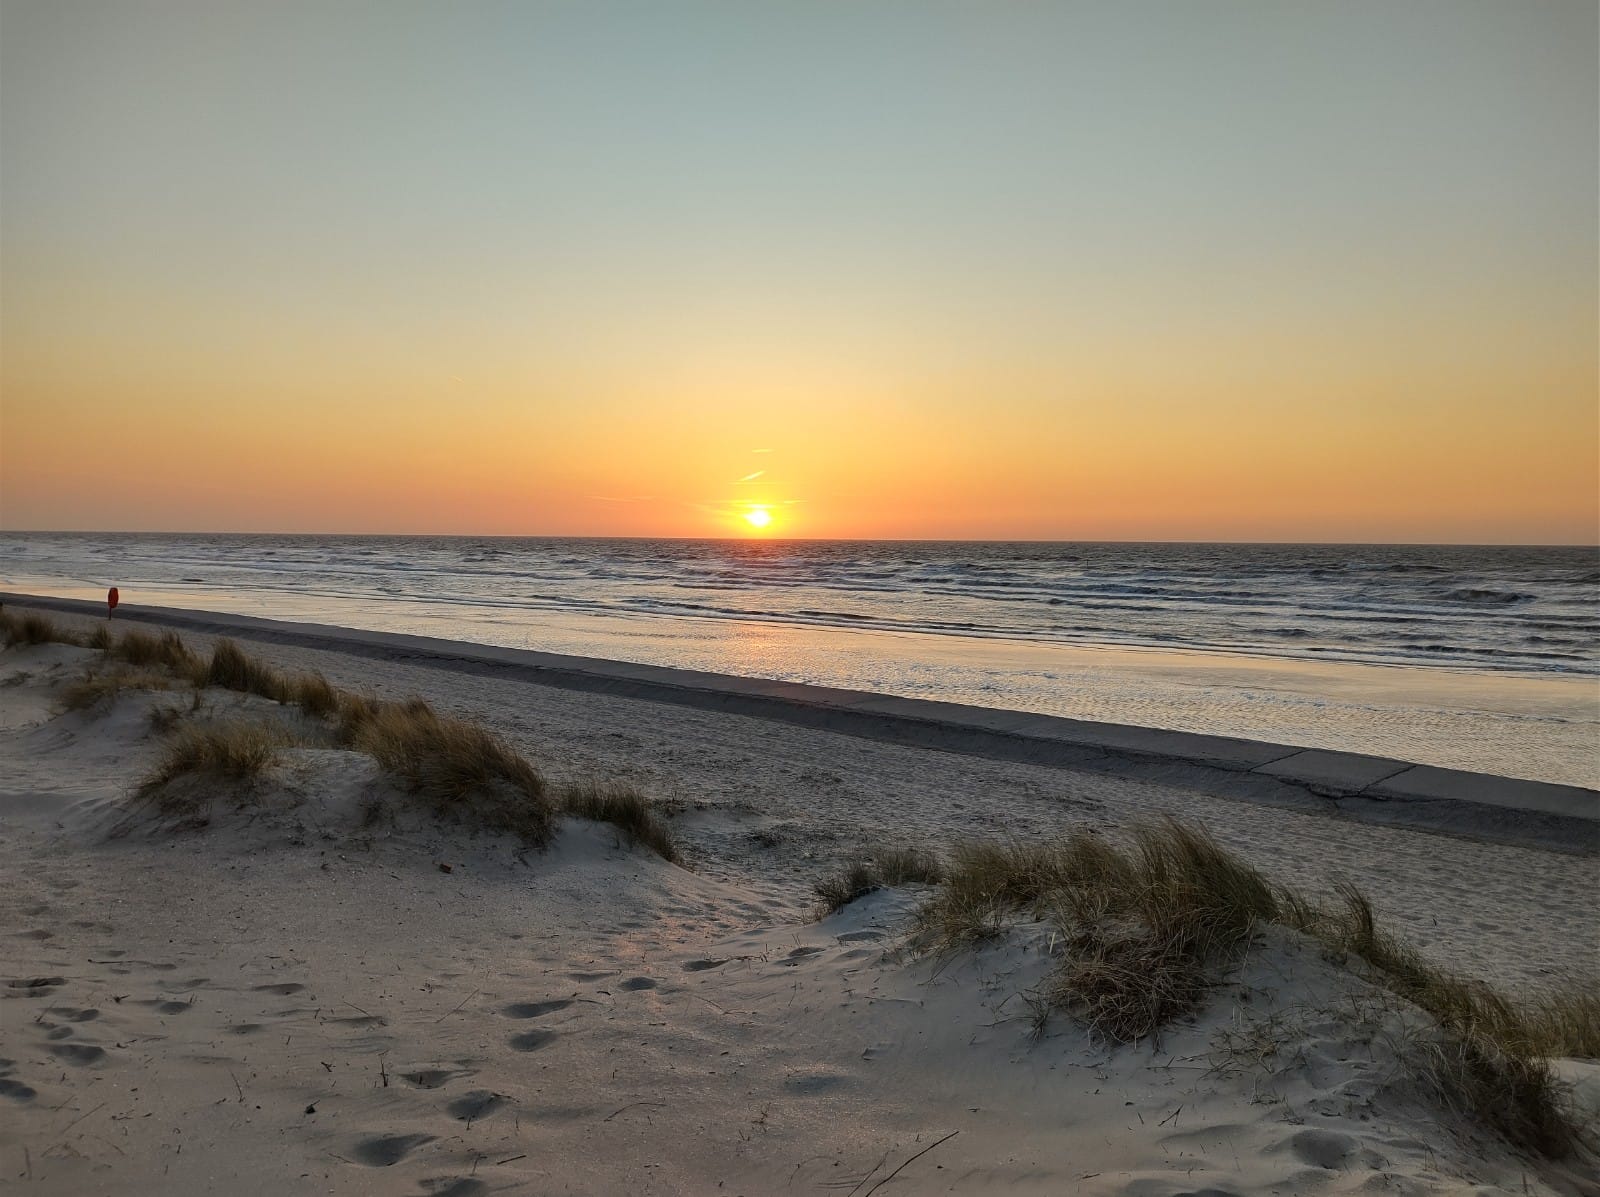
x=34 y=986
x=40 y=933
x=81 y=1054
x=1321 y=1148
x=454 y=1186
x=590 y=976
x=432 y=1078
x=472 y=1107
x=16 y=1090
x=282 y=990
x=165 y=1006
x=532 y=1041
x=388 y=1150
x=635 y=984
x=535 y=1009
x=700 y=966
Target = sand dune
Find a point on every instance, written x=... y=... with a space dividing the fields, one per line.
x=298 y=997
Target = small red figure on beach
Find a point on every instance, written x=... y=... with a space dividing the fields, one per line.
x=111 y=601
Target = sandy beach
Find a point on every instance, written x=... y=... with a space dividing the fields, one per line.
x=293 y=1000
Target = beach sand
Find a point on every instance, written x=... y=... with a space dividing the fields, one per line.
x=293 y=1001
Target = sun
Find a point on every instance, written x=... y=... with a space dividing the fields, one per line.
x=758 y=517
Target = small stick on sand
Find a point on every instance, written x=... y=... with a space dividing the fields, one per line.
x=630 y=1106
x=918 y=1156
x=463 y=1002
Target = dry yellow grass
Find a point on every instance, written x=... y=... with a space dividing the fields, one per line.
x=232 y=753
x=891 y=866
x=31 y=628
x=455 y=768
x=151 y=650
x=94 y=688
x=624 y=808
x=1149 y=928
x=313 y=694
x=231 y=668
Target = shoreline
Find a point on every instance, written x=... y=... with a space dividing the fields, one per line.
x=1540 y=725
x=1366 y=787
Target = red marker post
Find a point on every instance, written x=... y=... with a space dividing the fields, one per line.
x=111 y=601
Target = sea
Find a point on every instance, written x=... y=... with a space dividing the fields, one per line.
x=1474 y=657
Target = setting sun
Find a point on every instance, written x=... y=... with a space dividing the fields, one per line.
x=758 y=517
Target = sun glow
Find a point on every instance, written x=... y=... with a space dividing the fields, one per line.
x=758 y=517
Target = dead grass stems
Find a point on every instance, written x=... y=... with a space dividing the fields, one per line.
x=887 y=867
x=234 y=752
x=1147 y=928
x=454 y=768
x=626 y=809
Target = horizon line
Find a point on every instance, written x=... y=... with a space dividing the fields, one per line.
x=1413 y=544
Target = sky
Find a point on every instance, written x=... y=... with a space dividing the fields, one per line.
x=1197 y=270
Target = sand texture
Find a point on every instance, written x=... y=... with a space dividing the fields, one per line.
x=295 y=997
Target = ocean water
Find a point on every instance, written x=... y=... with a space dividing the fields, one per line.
x=1479 y=657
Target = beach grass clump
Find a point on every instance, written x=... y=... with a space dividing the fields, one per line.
x=988 y=883
x=885 y=868
x=313 y=694
x=234 y=752
x=231 y=668
x=99 y=637
x=453 y=767
x=1492 y=1056
x=1565 y=1021
x=31 y=628
x=1146 y=929
x=1142 y=925
x=625 y=808
x=147 y=650
x=93 y=689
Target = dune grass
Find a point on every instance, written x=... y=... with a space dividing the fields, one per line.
x=234 y=752
x=31 y=628
x=624 y=808
x=313 y=694
x=231 y=668
x=152 y=651
x=455 y=768
x=94 y=688
x=891 y=866
x=1493 y=1057
x=1147 y=930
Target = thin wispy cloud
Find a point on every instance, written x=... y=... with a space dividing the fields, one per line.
x=752 y=477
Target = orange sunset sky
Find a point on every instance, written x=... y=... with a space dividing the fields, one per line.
x=1215 y=271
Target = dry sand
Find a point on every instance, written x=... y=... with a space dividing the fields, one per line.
x=291 y=1002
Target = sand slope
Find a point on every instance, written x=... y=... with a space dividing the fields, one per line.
x=293 y=1000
